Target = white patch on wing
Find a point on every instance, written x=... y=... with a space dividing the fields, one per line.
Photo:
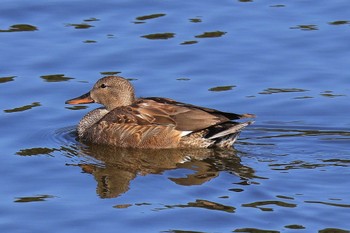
x=144 y=104
x=184 y=133
x=140 y=116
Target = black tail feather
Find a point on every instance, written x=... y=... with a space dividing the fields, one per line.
x=226 y=134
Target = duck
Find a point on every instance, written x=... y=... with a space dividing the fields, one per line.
x=153 y=122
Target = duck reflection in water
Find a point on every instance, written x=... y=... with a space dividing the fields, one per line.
x=114 y=168
x=119 y=166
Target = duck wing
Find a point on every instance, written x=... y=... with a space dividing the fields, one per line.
x=185 y=117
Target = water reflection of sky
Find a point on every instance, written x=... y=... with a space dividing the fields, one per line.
x=287 y=62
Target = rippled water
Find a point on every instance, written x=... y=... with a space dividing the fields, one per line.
x=285 y=61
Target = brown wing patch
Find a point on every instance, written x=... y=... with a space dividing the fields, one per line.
x=139 y=115
x=154 y=115
x=186 y=117
x=229 y=115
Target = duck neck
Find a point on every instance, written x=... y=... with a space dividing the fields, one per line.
x=89 y=119
x=120 y=99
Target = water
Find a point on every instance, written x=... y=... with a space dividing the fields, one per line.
x=286 y=62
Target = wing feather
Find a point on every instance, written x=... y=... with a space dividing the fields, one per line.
x=185 y=117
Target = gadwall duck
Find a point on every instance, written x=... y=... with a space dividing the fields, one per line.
x=154 y=122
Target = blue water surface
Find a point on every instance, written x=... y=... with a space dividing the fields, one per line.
x=285 y=61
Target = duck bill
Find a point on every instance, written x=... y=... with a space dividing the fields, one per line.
x=84 y=99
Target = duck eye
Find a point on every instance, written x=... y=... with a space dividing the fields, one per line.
x=103 y=85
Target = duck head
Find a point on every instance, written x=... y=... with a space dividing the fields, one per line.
x=110 y=91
